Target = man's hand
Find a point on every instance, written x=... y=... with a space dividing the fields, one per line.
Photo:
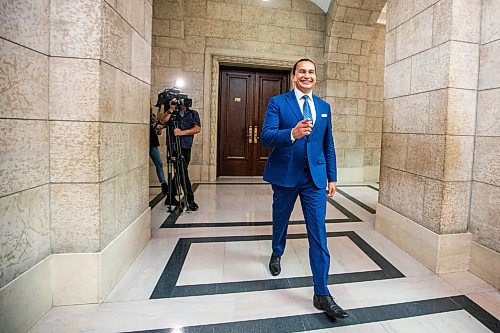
x=303 y=127
x=178 y=132
x=163 y=114
x=158 y=129
x=331 y=189
x=172 y=104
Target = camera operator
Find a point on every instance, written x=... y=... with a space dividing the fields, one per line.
x=187 y=125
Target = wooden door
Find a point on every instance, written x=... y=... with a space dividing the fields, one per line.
x=243 y=98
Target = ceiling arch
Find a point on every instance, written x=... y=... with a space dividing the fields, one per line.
x=323 y=4
x=363 y=4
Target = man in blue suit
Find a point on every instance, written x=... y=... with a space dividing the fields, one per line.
x=302 y=163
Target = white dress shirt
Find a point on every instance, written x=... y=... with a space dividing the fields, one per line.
x=300 y=100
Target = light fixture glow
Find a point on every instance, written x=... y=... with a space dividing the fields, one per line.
x=179 y=83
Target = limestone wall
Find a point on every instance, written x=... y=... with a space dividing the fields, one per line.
x=441 y=120
x=374 y=104
x=430 y=96
x=124 y=105
x=440 y=133
x=74 y=120
x=485 y=212
x=355 y=74
x=93 y=134
x=24 y=137
x=99 y=78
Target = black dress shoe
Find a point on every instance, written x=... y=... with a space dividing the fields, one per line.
x=164 y=188
x=193 y=206
x=173 y=202
x=274 y=265
x=327 y=304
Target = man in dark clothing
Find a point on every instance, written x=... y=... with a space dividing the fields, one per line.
x=186 y=123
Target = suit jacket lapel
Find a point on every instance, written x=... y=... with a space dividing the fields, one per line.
x=318 y=113
x=292 y=100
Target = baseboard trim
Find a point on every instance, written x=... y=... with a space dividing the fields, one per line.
x=71 y=278
x=83 y=278
x=26 y=298
x=440 y=253
x=485 y=263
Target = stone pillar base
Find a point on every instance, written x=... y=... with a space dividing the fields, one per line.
x=440 y=253
x=26 y=298
x=485 y=263
x=72 y=278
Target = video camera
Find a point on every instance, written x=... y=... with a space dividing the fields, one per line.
x=167 y=95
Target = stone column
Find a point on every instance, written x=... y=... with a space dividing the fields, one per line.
x=74 y=153
x=432 y=61
x=485 y=210
x=24 y=164
x=99 y=81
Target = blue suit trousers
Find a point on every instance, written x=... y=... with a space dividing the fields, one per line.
x=313 y=201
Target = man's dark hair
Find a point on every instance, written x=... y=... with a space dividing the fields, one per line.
x=301 y=60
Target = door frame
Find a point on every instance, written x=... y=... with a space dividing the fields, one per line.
x=213 y=61
x=259 y=74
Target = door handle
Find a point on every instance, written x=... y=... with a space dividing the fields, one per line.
x=255 y=136
x=250 y=134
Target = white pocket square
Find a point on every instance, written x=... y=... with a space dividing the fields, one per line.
x=323 y=115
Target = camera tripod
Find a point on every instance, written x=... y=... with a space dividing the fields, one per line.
x=176 y=165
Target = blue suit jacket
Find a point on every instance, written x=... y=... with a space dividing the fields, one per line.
x=287 y=159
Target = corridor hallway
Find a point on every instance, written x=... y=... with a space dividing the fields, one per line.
x=206 y=271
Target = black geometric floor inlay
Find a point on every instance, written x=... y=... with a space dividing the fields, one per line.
x=316 y=321
x=170 y=221
x=359 y=185
x=166 y=286
x=356 y=201
x=159 y=197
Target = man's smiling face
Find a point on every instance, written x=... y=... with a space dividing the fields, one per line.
x=304 y=76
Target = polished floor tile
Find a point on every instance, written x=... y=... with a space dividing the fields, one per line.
x=368 y=195
x=449 y=322
x=466 y=282
x=206 y=271
x=490 y=301
x=244 y=261
x=65 y=319
x=230 y=203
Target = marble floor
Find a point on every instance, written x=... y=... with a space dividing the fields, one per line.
x=206 y=271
